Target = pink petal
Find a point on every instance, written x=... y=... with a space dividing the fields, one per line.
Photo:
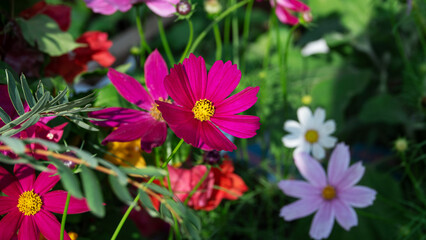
x=339 y=163
x=299 y=189
x=222 y=80
x=155 y=72
x=285 y=17
x=300 y=208
x=101 y=6
x=10 y=224
x=358 y=196
x=177 y=85
x=122 y=5
x=131 y=131
x=7 y=204
x=28 y=229
x=351 y=176
x=46 y=180
x=130 y=89
x=182 y=123
x=293 y=5
x=238 y=103
x=9 y=185
x=310 y=169
x=54 y=201
x=323 y=222
x=154 y=136
x=215 y=139
x=115 y=116
x=195 y=69
x=345 y=215
x=163 y=8
x=242 y=126
x=49 y=226
x=25 y=175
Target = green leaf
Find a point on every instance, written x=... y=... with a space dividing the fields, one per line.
x=68 y=178
x=14 y=93
x=31 y=121
x=146 y=171
x=52 y=146
x=382 y=108
x=122 y=177
x=27 y=92
x=17 y=146
x=92 y=191
x=159 y=189
x=43 y=32
x=83 y=125
x=165 y=213
x=88 y=157
x=120 y=190
x=146 y=201
x=59 y=97
x=39 y=91
x=3 y=116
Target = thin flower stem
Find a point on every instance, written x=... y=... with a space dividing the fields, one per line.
x=165 y=42
x=203 y=34
x=268 y=45
x=284 y=67
x=144 y=44
x=123 y=219
x=218 y=42
x=188 y=45
x=64 y=216
x=203 y=178
x=235 y=38
x=410 y=175
x=246 y=32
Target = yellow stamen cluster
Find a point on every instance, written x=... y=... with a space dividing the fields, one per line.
x=29 y=203
x=328 y=192
x=155 y=113
x=311 y=136
x=203 y=110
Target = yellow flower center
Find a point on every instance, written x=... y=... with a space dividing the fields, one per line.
x=29 y=203
x=155 y=113
x=328 y=192
x=203 y=110
x=311 y=136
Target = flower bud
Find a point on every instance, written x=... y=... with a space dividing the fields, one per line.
x=183 y=8
x=306 y=99
x=401 y=145
x=212 y=7
x=212 y=157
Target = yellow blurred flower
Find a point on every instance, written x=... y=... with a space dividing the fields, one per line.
x=129 y=154
x=401 y=145
x=307 y=99
x=72 y=235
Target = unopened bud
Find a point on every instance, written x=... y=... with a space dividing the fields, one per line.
x=307 y=17
x=401 y=145
x=183 y=8
x=212 y=7
x=212 y=157
x=307 y=99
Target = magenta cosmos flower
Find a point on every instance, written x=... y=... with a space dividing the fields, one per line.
x=202 y=109
x=163 y=8
x=284 y=9
x=28 y=204
x=132 y=124
x=332 y=196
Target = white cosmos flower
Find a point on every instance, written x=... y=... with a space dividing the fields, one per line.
x=311 y=133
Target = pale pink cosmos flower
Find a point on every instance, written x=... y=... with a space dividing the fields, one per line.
x=163 y=8
x=284 y=9
x=132 y=124
x=28 y=204
x=202 y=107
x=331 y=197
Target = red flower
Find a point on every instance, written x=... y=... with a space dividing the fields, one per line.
x=72 y=64
x=60 y=13
x=220 y=183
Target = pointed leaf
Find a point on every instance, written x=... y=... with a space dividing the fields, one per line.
x=17 y=146
x=146 y=171
x=4 y=117
x=120 y=191
x=29 y=98
x=68 y=178
x=14 y=93
x=92 y=191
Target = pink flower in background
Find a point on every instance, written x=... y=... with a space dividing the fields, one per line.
x=134 y=124
x=284 y=9
x=202 y=109
x=163 y=8
x=28 y=204
x=331 y=197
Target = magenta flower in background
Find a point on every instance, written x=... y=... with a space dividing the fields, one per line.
x=28 y=204
x=163 y=8
x=134 y=124
x=202 y=109
x=331 y=197
x=284 y=9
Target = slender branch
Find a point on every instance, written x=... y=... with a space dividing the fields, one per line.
x=218 y=42
x=64 y=216
x=188 y=45
x=203 y=178
x=165 y=42
x=126 y=214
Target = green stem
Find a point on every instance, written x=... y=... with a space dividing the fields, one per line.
x=203 y=178
x=203 y=34
x=165 y=42
x=235 y=38
x=268 y=45
x=410 y=175
x=246 y=32
x=144 y=44
x=64 y=216
x=284 y=68
x=126 y=214
x=188 y=45
x=218 y=42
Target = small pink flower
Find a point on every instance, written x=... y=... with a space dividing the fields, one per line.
x=202 y=109
x=132 y=124
x=28 y=204
x=331 y=197
x=284 y=9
